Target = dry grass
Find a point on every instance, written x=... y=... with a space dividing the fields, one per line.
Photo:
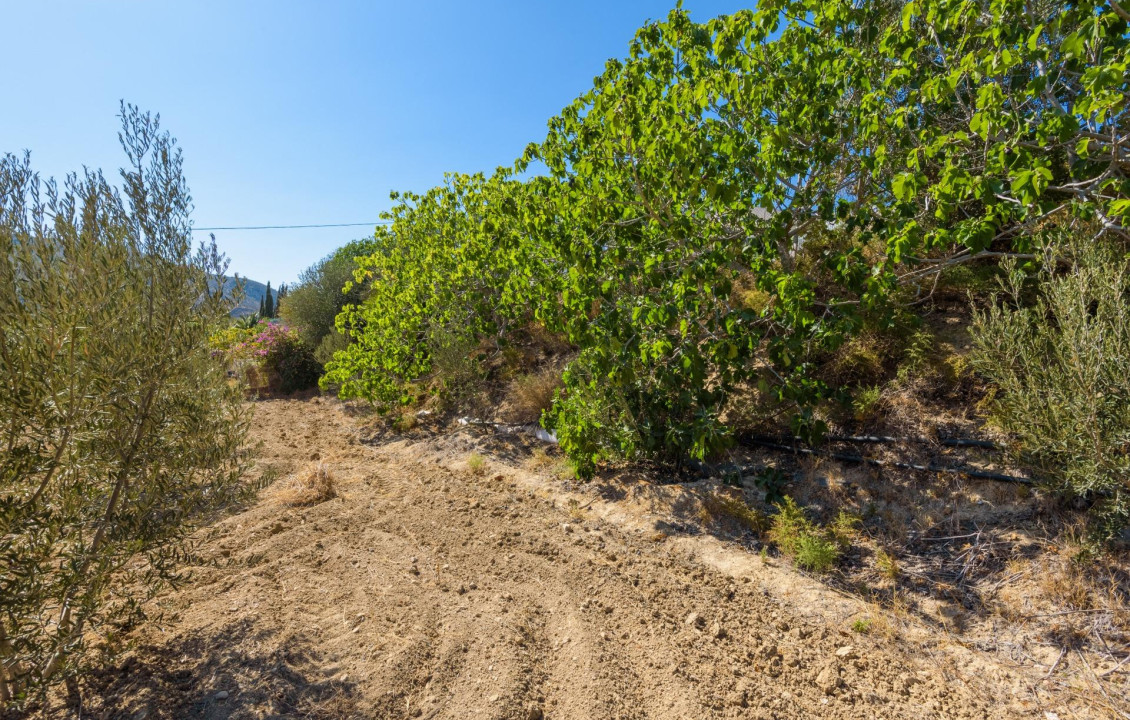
x=576 y=512
x=531 y=393
x=558 y=467
x=541 y=460
x=313 y=485
x=719 y=507
x=405 y=421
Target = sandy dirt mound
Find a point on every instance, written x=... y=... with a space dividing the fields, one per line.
x=428 y=588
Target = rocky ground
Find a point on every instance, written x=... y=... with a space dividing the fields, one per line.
x=441 y=583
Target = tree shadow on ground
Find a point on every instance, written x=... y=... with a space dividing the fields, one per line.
x=231 y=671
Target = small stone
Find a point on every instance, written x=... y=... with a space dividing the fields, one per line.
x=828 y=679
x=717 y=631
x=695 y=620
x=567 y=528
x=534 y=712
x=141 y=714
x=414 y=570
x=846 y=652
x=493 y=698
x=222 y=695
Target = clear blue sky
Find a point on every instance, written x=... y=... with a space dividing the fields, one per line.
x=306 y=112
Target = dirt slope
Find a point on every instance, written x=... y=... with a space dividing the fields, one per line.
x=426 y=590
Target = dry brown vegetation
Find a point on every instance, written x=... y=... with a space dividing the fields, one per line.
x=315 y=484
x=531 y=393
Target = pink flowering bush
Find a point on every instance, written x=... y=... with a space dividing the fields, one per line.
x=268 y=356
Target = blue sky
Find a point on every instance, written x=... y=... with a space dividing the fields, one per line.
x=306 y=112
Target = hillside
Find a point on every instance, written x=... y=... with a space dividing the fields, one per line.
x=253 y=293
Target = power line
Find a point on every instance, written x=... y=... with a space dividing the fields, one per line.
x=290 y=227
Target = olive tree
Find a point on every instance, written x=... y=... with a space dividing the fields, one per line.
x=119 y=429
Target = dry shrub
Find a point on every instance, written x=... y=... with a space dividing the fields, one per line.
x=530 y=394
x=313 y=485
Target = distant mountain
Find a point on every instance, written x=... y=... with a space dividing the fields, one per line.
x=253 y=293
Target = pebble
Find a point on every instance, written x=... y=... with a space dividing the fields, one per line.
x=695 y=620
x=222 y=695
x=846 y=652
x=828 y=679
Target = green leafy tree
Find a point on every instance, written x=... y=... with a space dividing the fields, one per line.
x=735 y=198
x=455 y=265
x=120 y=430
x=312 y=306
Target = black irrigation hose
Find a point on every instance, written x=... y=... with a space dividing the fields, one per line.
x=948 y=442
x=969 y=472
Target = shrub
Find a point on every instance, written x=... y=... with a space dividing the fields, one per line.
x=457 y=371
x=267 y=356
x=1060 y=367
x=289 y=359
x=810 y=546
x=887 y=564
x=477 y=464
x=121 y=430
x=323 y=290
x=333 y=342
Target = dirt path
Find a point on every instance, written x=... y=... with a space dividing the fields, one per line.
x=426 y=590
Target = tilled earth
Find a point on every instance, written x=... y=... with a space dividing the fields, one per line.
x=429 y=590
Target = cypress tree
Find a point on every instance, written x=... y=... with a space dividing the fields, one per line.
x=268 y=303
x=261 y=306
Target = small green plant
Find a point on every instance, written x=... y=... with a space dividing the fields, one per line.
x=772 y=482
x=844 y=528
x=917 y=354
x=815 y=552
x=865 y=402
x=861 y=626
x=811 y=547
x=477 y=464
x=404 y=421
x=887 y=564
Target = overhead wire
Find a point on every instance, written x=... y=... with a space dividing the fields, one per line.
x=290 y=227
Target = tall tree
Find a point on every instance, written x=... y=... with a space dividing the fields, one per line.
x=121 y=430
x=268 y=303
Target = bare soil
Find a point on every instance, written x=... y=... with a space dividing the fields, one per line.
x=440 y=585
